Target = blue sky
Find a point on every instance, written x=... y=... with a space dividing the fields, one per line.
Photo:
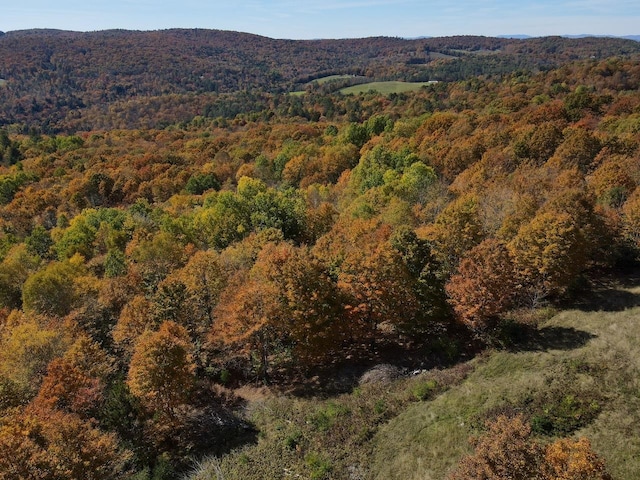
x=305 y=19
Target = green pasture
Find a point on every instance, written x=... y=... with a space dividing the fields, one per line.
x=385 y=87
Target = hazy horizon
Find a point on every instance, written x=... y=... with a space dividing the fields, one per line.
x=337 y=19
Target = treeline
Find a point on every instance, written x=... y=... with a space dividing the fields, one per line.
x=55 y=77
x=142 y=268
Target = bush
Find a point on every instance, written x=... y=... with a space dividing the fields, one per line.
x=325 y=417
x=320 y=466
x=565 y=416
x=425 y=390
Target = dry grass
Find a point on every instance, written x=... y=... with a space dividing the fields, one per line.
x=584 y=358
x=427 y=440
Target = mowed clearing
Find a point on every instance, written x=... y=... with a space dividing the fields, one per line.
x=385 y=87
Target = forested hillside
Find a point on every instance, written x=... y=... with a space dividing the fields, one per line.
x=164 y=248
x=58 y=81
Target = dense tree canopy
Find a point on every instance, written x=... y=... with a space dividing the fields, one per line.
x=223 y=235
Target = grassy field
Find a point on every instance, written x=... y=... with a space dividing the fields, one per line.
x=384 y=87
x=3 y=82
x=581 y=355
x=331 y=78
x=324 y=80
x=576 y=374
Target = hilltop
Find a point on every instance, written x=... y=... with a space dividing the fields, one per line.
x=574 y=373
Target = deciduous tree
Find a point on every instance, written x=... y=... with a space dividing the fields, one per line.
x=161 y=372
x=549 y=252
x=52 y=291
x=44 y=444
x=504 y=452
x=567 y=459
x=378 y=289
x=484 y=285
x=457 y=229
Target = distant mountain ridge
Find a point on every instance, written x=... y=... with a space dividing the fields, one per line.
x=525 y=37
x=53 y=75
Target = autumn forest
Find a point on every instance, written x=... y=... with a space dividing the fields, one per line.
x=180 y=234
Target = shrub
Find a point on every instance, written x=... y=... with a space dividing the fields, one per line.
x=425 y=390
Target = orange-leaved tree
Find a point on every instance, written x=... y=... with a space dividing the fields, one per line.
x=247 y=318
x=41 y=444
x=506 y=451
x=483 y=286
x=378 y=288
x=67 y=388
x=306 y=294
x=567 y=459
x=549 y=252
x=135 y=318
x=286 y=300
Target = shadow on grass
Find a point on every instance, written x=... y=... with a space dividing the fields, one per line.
x=397 y=360
x=216 y=431
x=606 y=300
x=526 y=338
x=607 y=293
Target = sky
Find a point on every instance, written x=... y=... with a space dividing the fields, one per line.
x=310 y=19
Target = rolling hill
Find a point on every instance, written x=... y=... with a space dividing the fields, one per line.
x=53 y=77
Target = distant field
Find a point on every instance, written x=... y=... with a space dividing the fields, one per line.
x=385 y=87
x=3 y=82
x=477 y=52
x=324 y=80
x=439 y=55
x=330 y=78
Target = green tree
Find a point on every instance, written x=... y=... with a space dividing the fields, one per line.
x=52 y=291
x=201 y=182
x=39 y=242
x=415 y=183
x=428 y=279
x=154 y=258
x=224 y=222
x=15 y=268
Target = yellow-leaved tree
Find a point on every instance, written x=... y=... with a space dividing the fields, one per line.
x=162 y=370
